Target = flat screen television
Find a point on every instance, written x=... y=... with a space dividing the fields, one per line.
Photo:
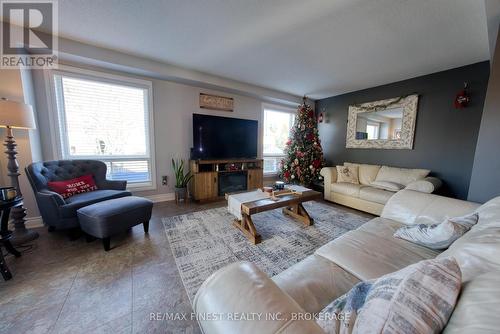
x=217 y=137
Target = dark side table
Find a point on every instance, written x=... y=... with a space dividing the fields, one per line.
x=5 y=234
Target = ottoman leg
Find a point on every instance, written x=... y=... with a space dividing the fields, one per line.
x=146 y=227
x=106 y=243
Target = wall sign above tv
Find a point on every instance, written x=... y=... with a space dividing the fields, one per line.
x=215 y=102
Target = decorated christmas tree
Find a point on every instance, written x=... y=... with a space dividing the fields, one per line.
x=304 y=155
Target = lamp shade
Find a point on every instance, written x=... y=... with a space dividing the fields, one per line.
x=16 y=115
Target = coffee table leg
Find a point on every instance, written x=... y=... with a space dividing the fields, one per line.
x=248 y=228
x=298 y=211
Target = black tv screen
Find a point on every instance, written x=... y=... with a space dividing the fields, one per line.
x=224 y=137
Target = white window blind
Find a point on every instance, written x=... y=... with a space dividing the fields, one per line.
x=277 y=124
x=107 y=120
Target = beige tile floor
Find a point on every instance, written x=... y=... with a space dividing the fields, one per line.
x=63 y=286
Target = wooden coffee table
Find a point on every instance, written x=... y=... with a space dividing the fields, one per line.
x=291 y=204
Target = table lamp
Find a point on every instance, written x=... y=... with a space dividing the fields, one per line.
x=16 y=115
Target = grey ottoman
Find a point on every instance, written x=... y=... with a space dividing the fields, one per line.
x=104 y=219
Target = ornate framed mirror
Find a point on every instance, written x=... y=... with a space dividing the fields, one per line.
x=384 y=124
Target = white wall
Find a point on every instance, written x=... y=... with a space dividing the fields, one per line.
x=175 y=97
x=492 y=8
x=12 y=88
x=485 y=177
x=173 y=106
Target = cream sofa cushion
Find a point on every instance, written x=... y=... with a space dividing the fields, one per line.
x=241 y=287
x=402 y=176
x=367 y=173
x=314 y=282
x=478 y=251
x=375 y=195
x=371 y=251
x=387 y=185
x=477 y=308
x=348 y=189
x=412 y=207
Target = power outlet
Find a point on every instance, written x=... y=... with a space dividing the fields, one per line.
x=164 y=180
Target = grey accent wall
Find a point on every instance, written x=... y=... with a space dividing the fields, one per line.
x=485 y=180
x=445 y=138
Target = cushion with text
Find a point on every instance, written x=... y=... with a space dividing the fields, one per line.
x=68 y=188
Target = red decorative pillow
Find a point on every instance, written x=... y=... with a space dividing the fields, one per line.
x=72 y=187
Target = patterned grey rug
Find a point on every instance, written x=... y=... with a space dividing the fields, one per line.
x=205 y=241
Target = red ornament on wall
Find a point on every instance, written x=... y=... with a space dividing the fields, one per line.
x=462 y=99
x=321 y=117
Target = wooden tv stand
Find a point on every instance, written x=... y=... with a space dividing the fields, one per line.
x=206 y=173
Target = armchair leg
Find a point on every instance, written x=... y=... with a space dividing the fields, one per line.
x=106 y=243
x=146 y=227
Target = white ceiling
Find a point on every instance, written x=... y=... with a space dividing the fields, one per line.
x=315 y=47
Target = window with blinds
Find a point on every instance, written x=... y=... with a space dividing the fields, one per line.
x=108 y=120
x=277 y=124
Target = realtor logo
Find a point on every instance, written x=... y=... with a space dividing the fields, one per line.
x=29 y=34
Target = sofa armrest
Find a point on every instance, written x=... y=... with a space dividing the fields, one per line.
x=113 y=184
x=427 y=185
x=242 y=289
x=330 y=176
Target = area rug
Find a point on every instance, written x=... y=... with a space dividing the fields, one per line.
x=205 y=241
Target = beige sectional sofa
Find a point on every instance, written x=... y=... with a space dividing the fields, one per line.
x=366 y=197
x=366 y=253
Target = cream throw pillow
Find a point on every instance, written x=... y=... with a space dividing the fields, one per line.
x=347 y=174
x=366 y=173
x=402 y=176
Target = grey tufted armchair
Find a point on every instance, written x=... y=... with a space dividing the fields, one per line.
x=61 y=213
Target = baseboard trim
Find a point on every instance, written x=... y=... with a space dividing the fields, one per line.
x=34 y=222
x=161 y=197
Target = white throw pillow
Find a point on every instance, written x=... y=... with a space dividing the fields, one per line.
x=438 y=236
x=402 y=176
x=417 y=299
x=348 y=174
x=386 y=185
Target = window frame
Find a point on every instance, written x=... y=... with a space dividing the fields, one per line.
x=278 y=108
x=376 y=125
x=58 y=125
